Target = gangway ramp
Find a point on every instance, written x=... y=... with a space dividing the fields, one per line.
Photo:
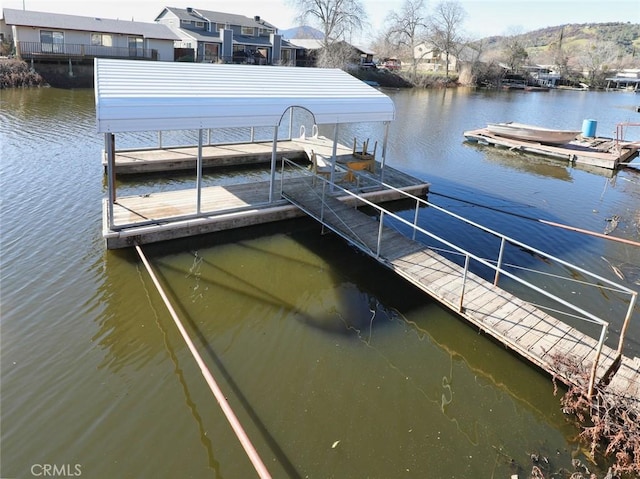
x=520 y=325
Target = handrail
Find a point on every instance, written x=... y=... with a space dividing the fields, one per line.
x=28 y=50
x=497 y=267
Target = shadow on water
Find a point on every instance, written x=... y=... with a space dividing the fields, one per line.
x=394 y=301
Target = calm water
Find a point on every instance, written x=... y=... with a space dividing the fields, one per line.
x=335 y=367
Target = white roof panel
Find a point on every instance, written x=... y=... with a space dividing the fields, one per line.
x=136 y=95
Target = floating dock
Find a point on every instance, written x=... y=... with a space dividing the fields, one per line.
x=553 y=345
x=162 y=216
x=182 y=158
x=599 y=152
x=155 y=96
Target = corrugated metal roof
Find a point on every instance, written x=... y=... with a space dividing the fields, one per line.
x=198 y=14
x=72 y=22
x=147 y=96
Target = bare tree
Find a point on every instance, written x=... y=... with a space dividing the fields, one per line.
x=515 y=53
x=337 y=19
x=408 y=29
x=596 y=59
x=446 y=25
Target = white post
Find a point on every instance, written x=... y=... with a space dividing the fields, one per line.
x=274 y=152
x=199 y=174
x=334 y=154
x=499 y=264
x=380 y=228
x=594 y=368
x=464 y=282
x=384 y=150
x=109 y=141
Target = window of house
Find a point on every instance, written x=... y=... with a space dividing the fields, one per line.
x=101 y=40
x=211 y=52
x=136 y=46
x=220 y=27
x=185 y=22
x=266 y=31
x=247 y=31
x=52 y=41
x=199 y=24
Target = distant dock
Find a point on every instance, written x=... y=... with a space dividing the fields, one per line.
x=599 y=152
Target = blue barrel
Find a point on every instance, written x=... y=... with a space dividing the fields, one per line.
x=589 y=128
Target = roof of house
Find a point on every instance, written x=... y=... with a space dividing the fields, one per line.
x=318 y=43
x=136 y=95
x=28 y=18
x=200 y=15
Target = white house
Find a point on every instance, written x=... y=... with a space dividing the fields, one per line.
x=53 y=36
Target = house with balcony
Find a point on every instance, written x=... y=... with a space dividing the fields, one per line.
x=53 y=37
x=212 y=37
x=309 y=50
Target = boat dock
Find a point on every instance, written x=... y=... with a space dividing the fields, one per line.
x=600 y=152
x=561 y=350
x=137 y=96
x=163 y=216
x=183 y=158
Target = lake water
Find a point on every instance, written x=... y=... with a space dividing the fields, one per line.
x=335 y=367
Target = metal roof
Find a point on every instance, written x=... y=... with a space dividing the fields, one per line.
x=216 y=17
x=134 y=95
x=73 y=22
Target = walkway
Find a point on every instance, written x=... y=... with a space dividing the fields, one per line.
x=524 y=328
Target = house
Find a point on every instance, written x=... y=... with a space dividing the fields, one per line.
x=211 y=37
x=309 y=48
x=429 y=58
x=53 y=37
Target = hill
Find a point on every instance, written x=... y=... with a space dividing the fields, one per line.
x=303 y=31
x=539 y=44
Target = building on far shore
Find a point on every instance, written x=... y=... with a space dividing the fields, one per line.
x=212 y=37
x=54 y=37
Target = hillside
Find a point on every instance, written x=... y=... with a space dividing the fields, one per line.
x=624 y=37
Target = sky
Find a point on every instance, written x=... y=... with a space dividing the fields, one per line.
x=483 y=17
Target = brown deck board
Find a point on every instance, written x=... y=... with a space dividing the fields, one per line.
x=521 y=326
x=585 y=152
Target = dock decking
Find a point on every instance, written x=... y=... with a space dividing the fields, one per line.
x=154 y=160
x=161 y=216
x=600 y=152
x=519 y=325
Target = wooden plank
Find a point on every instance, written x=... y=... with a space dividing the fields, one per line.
x=586 y=152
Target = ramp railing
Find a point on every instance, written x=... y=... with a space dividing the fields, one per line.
x=317 y=196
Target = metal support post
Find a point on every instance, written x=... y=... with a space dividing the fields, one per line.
x=199 y=174
x=380 y=228
x=499 y=263
x=464 y=282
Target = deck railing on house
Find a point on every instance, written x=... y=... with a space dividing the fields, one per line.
x=39 y=50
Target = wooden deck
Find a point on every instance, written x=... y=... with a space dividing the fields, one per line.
x=520 y=326
x=600 y=152
x=151 y=160
x=169 y=215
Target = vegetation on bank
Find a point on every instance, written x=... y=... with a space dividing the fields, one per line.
x=17 y=74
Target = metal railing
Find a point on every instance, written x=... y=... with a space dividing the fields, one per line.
x=39 y=50
x=497 y=266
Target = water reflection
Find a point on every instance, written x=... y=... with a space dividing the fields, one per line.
x=529 y=163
